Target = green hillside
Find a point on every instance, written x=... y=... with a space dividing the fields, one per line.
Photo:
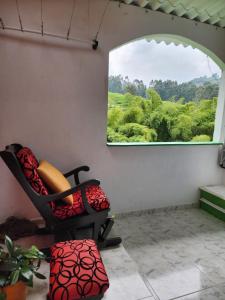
x=199 y=88
x=132 y=118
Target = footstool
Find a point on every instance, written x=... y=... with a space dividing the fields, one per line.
x=77 y=271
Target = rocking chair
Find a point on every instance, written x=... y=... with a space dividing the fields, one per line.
x=91 y=223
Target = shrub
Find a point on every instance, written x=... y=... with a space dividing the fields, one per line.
x=137 y=139
x=115 y=117
x=201 y=138
x=131 y=130
x=182 y=129
x=154 y=97
x=133 y=115
x=114 y=137
x=154 y=119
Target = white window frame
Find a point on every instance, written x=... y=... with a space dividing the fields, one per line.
x=219 y=129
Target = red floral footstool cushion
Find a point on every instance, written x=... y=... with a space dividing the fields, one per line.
x=95 y=196
x=76 y=271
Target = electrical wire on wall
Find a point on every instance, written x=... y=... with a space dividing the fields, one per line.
x=95 y=45
x=2 y=23
x=71 y=18
x=19 y=16
x=88 y=25
x=42 y=22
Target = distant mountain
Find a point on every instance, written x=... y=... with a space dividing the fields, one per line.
x=214 y=79
x=196 y=89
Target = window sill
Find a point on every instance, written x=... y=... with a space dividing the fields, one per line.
x=163 y=144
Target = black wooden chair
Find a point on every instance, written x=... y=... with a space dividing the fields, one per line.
x=91 y=224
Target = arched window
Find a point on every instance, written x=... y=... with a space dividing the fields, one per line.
x=162 y=89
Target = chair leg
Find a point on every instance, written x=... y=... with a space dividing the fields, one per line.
x=105 y=242
x=63 y=236
x=109 y=243
x=43 y=231
x=96 y=231
x=107 y=227
x=47 y=253
x=84 y=233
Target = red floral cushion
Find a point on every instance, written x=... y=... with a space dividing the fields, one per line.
x=95 y=196
x=29 y=166
x=76 y=271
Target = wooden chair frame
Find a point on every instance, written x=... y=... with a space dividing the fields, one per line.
x=100 y=223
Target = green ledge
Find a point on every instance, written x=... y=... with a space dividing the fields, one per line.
x=163 y=144
x=218 y=201
x=213 y=211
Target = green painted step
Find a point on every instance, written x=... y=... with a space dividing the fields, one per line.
x=212 y=200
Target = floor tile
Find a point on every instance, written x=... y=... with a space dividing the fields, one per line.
x=215 y=293
x=213 y=267
x=125 y=281
x=147 y=298
x=171 y=281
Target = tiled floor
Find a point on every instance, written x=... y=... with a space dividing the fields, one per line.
x=180 y=254
x=166 y=255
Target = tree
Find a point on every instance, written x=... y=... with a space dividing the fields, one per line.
x=207 y=91
x=132 y=130
x=182 y=128
x=196 y=89
x=140 y=88
x=166 y=89
x=130 y=88
x=113 y=136
x=115 y=117
x=161 y=123
x=116 y=84
x=133 y=115
x=199 y=88
x=154 y=97
x=132 y=118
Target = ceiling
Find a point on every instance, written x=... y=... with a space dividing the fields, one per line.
x=205 y=11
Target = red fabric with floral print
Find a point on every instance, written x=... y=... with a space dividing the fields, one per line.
x=29 y=166
x=95 y=196
x=76 y=271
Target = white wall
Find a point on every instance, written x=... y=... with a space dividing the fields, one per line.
x=53 y=98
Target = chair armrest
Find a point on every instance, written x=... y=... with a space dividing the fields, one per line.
x=59 y=196
x=75 y=172
x=87 y=206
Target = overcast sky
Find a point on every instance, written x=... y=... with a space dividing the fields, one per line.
x=149 y=60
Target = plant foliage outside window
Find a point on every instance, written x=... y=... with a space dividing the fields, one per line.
x=163 y=111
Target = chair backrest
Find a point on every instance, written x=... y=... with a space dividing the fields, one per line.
x=9 y=157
